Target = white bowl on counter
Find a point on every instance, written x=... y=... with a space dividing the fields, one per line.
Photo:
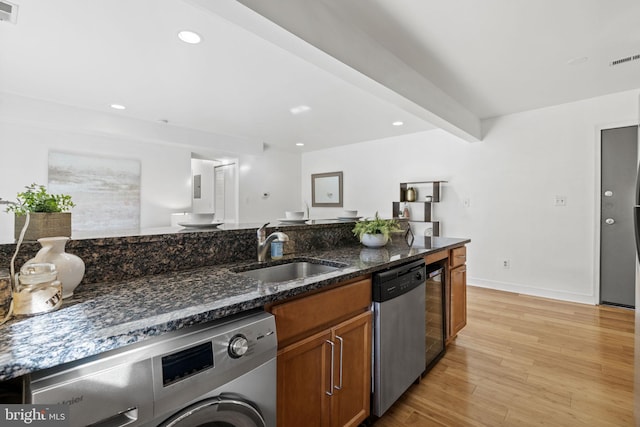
x=201 y=218
x=294 y=214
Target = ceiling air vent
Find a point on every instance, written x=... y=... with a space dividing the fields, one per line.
x=623 y=60
x=8 y=12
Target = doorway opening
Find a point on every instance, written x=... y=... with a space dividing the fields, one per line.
x=215 y=188
x=226 y=193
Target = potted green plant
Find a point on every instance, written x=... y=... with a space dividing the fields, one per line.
x=375 y=232
x=48 y=213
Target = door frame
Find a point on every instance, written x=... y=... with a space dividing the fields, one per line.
x=596 y=201
x=234 y=162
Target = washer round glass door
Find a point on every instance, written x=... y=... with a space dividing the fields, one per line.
x=217 y=412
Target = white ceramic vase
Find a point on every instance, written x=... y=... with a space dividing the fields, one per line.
x=374 y=240
x=70 y=267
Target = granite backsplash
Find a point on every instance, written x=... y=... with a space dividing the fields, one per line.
x=117 y=258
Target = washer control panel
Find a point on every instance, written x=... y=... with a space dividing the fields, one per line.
x=185 y=363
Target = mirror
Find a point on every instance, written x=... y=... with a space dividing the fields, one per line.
x=326 y=190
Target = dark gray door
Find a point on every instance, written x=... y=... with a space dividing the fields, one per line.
x=617 y=245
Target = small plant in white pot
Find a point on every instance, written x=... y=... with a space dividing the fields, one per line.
x=376 y=232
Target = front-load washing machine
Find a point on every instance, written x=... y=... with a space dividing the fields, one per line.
x=217 y=374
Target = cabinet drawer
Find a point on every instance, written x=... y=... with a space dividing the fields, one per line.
x=302 y=317
x=458 y=256
x=435 y=257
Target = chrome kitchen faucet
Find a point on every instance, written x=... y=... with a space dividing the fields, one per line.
x=265 y=242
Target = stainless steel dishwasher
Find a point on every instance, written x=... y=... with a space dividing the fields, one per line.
x=399 y=332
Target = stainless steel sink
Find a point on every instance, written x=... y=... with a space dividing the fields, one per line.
x=289 y=271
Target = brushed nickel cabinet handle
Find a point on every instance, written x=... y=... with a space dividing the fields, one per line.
x=341 y=347
x=330 y=392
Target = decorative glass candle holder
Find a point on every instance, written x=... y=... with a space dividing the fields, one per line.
x=5 y=293
x=39 y=291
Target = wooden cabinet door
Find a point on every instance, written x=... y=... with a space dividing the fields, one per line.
x=458 y=299
x=351 y=401
x=304 y=380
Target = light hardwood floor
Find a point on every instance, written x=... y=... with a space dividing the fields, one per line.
x=527 y=361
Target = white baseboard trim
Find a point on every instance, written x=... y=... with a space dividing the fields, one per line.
x=537 y=292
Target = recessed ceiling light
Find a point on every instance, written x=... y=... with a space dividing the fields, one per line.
x=300 y=144
x=578 y=60
x=397 y=123
x=300 y=109
x=118 y=106
x=189 y=37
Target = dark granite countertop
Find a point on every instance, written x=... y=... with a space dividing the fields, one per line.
x=106 y=316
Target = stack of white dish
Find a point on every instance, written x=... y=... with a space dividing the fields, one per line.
x=294 y=217
x=200 y=220
x=349 y=215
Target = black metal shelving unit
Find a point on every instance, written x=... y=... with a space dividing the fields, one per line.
x=436 y=192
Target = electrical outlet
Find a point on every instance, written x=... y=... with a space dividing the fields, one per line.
x=560 y=201
x=506 y=264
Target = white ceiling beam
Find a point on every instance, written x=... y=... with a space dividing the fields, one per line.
x=311 y=31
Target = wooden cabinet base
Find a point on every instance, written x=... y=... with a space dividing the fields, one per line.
x=325 y=379
x=324 y=361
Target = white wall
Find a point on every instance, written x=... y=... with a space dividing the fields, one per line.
x=30 y=128
x=274 y=173
x=511 y=180
x=165 y=185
